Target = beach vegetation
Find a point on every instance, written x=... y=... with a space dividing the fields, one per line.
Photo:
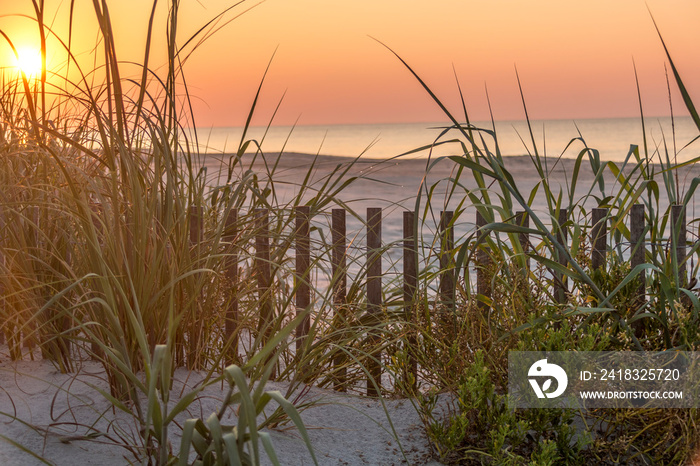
x=601 y=309
x=126 y=242
x=115 y=246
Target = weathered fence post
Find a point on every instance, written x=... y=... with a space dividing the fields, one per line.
x=263 y=271
x=679 y=232
x=560 y=283
x=483 y=261
x=638 y=245
x=196 y=226
x=3 y=303
x=263 y=268
x=374 y=296
x=302 y=275
x=338 y=260
x=231 y=271
x=447 y=274
x=410 y=285
x=523 y=220
x=599 y=237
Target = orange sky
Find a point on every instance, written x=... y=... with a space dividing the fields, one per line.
x=574 y=57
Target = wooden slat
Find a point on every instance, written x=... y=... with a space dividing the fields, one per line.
x=303 y=269
x=410 y=286
x=638 y=245
x=339 y=264
x=483 y=262
x=599 y=237
x=679 y=231
x=637 y=239
x=523 y=220
x=231 y=271
x=263 y=272
x=447 y=274
x=374 y=292
x=560 y=284
x=196 y=224
x=196 y=227
x=3 y=301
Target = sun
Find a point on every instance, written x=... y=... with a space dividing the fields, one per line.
x=28 y=61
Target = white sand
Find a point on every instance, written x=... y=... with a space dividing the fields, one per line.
x=394 y=184
x=54 y=412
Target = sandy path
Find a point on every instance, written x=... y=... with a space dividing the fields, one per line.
x=53 y=410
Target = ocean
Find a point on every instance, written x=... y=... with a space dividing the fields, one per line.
x=611 y=137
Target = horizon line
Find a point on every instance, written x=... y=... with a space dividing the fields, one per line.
x=442 y=123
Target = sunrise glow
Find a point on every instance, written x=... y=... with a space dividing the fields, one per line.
x=28 y=61
x=574 y=60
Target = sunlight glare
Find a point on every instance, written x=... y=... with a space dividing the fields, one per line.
x=28 y=61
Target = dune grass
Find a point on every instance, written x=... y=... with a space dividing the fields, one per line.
x=100 y=179
x=602 y=309
x=121 y=238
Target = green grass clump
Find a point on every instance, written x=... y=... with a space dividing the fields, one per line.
x=466 y=347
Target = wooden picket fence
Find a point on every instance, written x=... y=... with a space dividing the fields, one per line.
x=410 y=247
x=410 y=260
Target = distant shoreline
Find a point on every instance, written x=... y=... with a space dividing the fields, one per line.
x=397 y=182
x=336 y=159
x=611 y=137
x=479 y=123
